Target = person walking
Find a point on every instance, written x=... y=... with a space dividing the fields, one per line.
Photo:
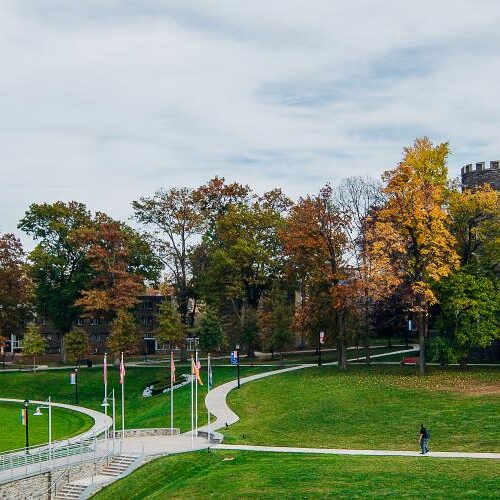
x=423 y=438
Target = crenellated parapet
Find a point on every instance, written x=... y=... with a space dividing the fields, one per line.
x=480 y=173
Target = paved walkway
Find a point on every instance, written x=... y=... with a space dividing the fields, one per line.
x=379 y=453
x=101 y=421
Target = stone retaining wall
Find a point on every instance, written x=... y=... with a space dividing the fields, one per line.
x=156 y=431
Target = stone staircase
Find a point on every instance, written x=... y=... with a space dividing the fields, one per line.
x=118 y=465
x=114 y=468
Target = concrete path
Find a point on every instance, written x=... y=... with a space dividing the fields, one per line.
x=216 y=403
x=379 y=453
x=101 y=421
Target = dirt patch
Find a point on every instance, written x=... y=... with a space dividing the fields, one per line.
x=485 y=390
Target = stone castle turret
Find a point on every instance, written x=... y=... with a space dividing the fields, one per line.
x=473 y=176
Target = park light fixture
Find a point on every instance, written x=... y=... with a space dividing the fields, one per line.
x=38 y=413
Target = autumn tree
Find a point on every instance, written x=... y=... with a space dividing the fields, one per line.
x=59 y=266
x=119 y=268
x=15 y=286
x=314 y=240
x=170 y=330
x=33 y=343
x=124 y=334
x=76 y=344
x=475 y=224
x=412 y=227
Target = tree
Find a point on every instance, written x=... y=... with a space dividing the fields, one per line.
x=33 y=343
x=210 y=331
x=119 y=271
x=77 y=344
x=315 y=240
x=174 y=220
x=475 y=223
x=412 y=228
x=470 y=312
x=124 y=334
x=59 y=266
x=171 y=330
x=15 y=286
x=275 y=320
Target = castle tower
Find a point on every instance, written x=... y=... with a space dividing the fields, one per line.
x=480 y=173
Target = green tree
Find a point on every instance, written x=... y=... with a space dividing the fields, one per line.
x=33 y=343
x=210 y=331
x=60 y=269
x=470 y=312
x=170 y=330
x=124 y=334
x=77 y=344
x=15 y=286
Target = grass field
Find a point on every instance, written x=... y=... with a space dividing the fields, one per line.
x=378 y=407
x=65 y=424
x=228 y=474
x=140 y=412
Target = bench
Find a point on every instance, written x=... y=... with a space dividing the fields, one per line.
x=410 y=361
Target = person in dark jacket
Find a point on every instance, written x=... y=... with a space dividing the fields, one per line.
x=423 y=438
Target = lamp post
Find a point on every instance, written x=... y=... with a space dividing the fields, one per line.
x=320 y=341
x=74 y=381
x=26 y=423
x=38 y=413
x=105 y=404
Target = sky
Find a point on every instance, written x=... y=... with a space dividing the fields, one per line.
x=104 y=101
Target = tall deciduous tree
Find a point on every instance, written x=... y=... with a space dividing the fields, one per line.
x=173 y=219
x=315 y=240
x=119 y=270
x=413 y=227
x=60 y=269
x=15 y=286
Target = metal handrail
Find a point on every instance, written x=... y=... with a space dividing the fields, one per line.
x=49 y=490
x=94 y=471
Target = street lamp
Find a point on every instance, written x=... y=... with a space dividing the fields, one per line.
x=321 y=336
x=26 y=422
x=105 y=404
x=238 y=362
x=38 y=413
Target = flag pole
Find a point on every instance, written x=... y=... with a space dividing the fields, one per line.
x=122 y=376
x=106 y=393
x=172 y=392
x=209 y=378
x=192 y=402
x=196 y=398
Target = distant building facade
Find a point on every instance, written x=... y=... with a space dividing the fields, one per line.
x=478 y=174
x=98 y=329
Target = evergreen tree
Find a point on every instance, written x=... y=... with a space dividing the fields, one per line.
x=171 y=330
x=210 y=331
x=77 y=344
x=124 y=334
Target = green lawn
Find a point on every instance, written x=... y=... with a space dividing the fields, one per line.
x=378 y=407
x=227 y=474
x=140 y=412
x=64 y=424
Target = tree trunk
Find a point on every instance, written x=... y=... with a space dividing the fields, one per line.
x=463 y=362
x=367 y=338
x=342 y=347
x=421 y=338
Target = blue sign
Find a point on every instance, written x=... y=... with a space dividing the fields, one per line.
x=234 y=357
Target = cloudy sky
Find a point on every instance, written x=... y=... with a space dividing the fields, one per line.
x=103 y=101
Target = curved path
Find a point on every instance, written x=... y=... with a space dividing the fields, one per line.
x=101 y=421
x=216 y=404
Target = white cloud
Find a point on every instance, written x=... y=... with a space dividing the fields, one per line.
x=107 y=101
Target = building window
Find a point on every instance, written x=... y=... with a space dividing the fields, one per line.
x=147 y=320
x=95 y=321
x=147 y=304
x=80 y=321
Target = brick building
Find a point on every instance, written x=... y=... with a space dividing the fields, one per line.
x=98 y=329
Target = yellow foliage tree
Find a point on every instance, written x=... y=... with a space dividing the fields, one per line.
x=412 y=227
